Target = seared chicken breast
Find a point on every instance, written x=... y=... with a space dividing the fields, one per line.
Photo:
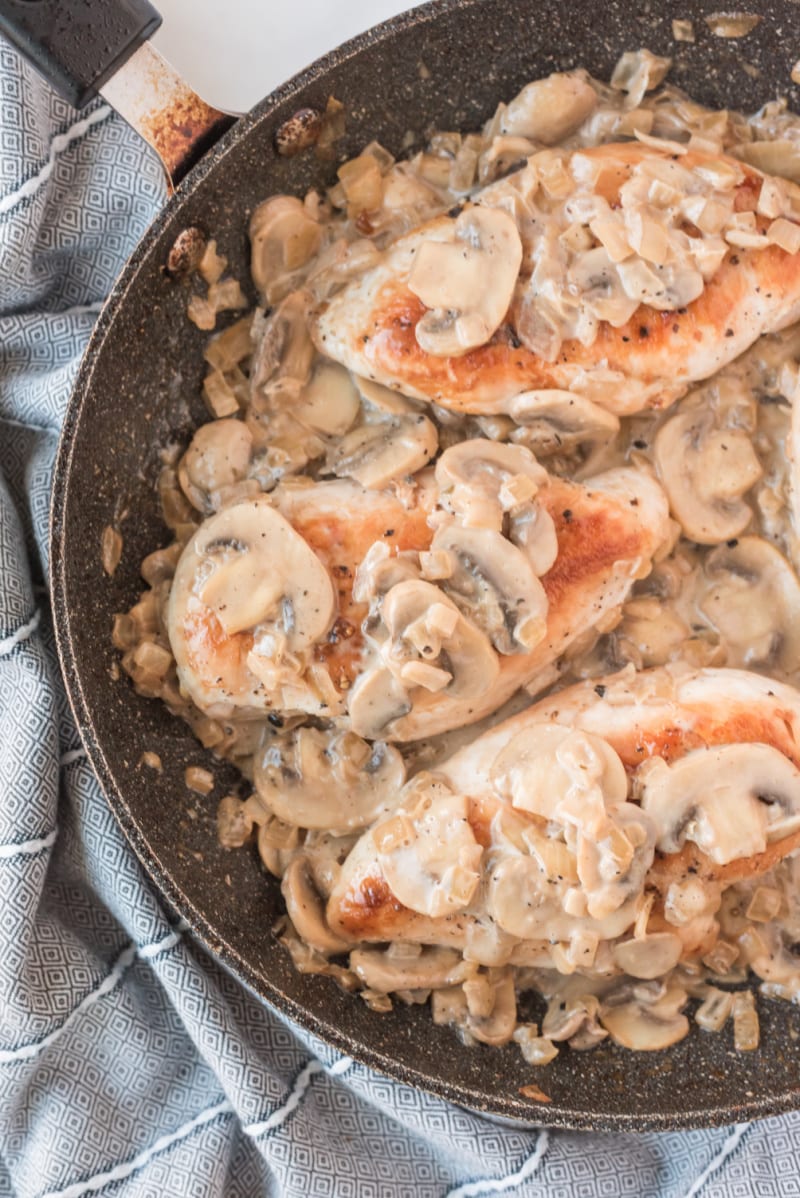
x=404 y=617
x=621 y=272
x=633 y=797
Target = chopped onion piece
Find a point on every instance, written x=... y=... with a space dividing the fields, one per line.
x=764 y=905
x=732 y=24
x=745 y=1021
x=713 y=1012
x=786 y=234
x=110 y=549
x=199 y=779
x=683 y=30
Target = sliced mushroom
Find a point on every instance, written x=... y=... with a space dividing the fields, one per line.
x=647 y=1027
x=245 y=568
x=429 y=970
x=329 y=403
x=284 y=353
x=649 y=956
x=548 y=766
x=549 y=109
x=706 y=471
x=256 y=563
x=376 y=701
x=316 y=779
x=306 y=910
x=753 y=601
x=426 y=628
x=466 y=278
x=596 y=279
x=283 y=238
x=560 y=422
x=497 y=1027
x=494 y=584
x=533 y=530
x=384 y=398
x=377 y=452
x=574 y=1015
x=218 y=456
x=480 y=480
x=731 y=800
x=381 y=569
x=427 y=850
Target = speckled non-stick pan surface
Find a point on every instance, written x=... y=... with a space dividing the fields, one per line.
x=446 y=64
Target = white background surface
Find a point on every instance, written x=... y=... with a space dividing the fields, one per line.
x=235 y=51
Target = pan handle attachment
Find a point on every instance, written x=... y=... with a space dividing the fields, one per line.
x=77 y=44
x=86 y=47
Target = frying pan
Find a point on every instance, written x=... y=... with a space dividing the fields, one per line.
x=446 y=64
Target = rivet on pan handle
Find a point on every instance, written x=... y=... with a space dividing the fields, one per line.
x=86 y=47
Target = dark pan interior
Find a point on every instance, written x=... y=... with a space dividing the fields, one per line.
x=447 y=64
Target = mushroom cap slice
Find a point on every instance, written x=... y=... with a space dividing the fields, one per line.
x=730 y=800
x=547 y=766
x=549 y=109
x=753 y=602
x=495 y=585
x=559 y=421
x=427 y=851
x=498 y=1026
x=705 y=472
x=329 y=403
x=431 y=968
x=430 y=646
x=379 y=451
x=466 y=276
x=459 y=647
x=647 y=1027
x=314 y=779
x=283 y=238
x=246 y=583
x=376 y=700
x=218 y=456
x=649 y=956
x=306 y=909
x=480 y=479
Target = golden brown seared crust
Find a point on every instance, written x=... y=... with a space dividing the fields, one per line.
x=341 y=542
x=730 y=725
x=691 y=862
x=659 y=353
x=643 y=346
x=592 y=533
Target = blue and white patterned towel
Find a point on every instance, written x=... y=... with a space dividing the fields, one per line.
x=130 y=1064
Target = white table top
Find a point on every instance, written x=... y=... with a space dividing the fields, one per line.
x=235 y=51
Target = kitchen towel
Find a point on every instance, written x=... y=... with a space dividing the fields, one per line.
x=130 y=1063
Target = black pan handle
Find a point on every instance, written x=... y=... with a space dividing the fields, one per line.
x=77 y=44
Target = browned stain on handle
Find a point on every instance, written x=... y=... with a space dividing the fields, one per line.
x=155 y=100
x=181 y=133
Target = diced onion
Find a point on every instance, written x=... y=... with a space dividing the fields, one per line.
x=110 y=549
x=199 y=779
x=745 y=1022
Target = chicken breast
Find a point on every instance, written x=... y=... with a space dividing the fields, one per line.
x=553 y=826
x=316 y=599
x=624 y=273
